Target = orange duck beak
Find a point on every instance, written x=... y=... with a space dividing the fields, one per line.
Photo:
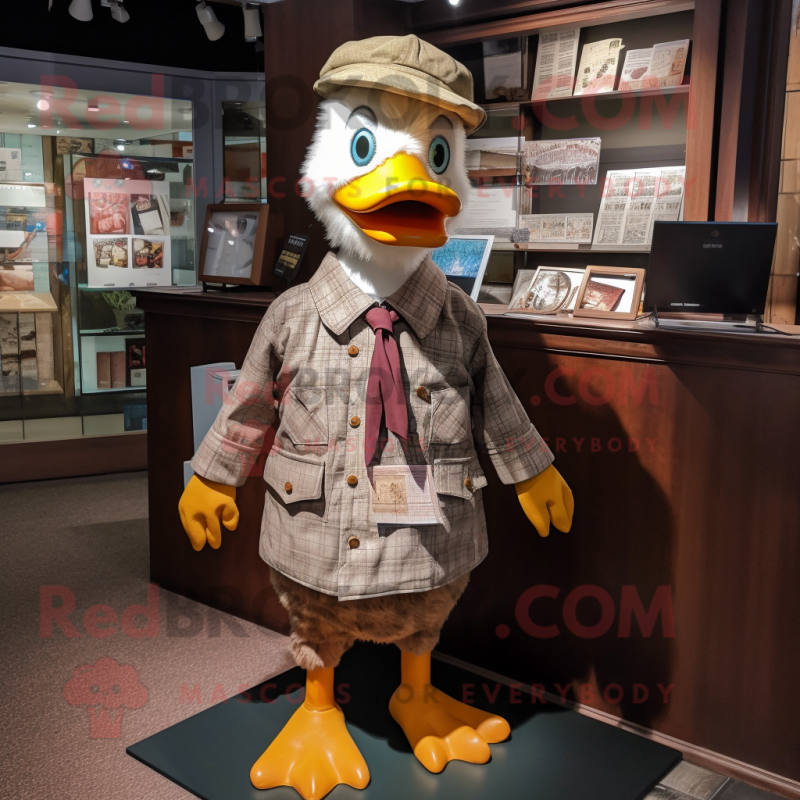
x=397 y=203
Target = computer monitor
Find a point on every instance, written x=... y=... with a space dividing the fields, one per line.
x=710 y=267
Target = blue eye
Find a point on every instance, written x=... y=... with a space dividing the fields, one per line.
x=362 y=148
x=439 y=154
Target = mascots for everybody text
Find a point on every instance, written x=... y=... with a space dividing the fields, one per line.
x=379 y=377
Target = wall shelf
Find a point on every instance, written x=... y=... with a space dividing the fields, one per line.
x=510 y=105
x=557 y=247
x=127 y=333
x=122 y=390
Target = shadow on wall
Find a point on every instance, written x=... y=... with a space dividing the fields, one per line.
x=587 y=614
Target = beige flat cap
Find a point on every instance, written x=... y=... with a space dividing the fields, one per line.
x=404 y=65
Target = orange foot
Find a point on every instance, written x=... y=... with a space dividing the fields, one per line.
x=313 y=753
x=438 y=727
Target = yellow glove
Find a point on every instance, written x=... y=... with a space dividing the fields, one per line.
x=202 y=505
x=546 y=498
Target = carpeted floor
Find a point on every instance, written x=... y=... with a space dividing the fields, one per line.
x=89 y=536
x=83 y=544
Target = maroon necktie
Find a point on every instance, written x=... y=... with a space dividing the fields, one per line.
x=385 y=395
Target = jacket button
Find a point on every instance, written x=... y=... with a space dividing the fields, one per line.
x=423 y=394
x=468 y=483
x=355 y=422
x=353 y=542
x=287 y=487
x=352 y=351
x=352 y=480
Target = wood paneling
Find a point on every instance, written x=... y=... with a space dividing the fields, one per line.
x=701 y=121
x=783 y=292
x=294 y=53
x=703 y=502
x=72 y=458
x=752 y=104
x=681 y=451
x=298 y=38
x=232 y=578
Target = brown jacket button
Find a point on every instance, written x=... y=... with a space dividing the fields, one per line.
x=355 y=422
x=423 y=394
x=287 y=487
x=353 y=542
x=468 y=483
x=352 y=480
x=352 y=350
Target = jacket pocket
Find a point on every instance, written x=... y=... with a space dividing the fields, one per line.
x=451 y=421
x=458 y=477
x=304 y=420
x=293 y=479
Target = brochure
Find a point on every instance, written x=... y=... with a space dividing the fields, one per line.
x=597 y=72
x=633 y=200
x=556 y=57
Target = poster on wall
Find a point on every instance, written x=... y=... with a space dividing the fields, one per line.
x=127 y=230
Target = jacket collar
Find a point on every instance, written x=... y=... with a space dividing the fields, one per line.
x=340 y=302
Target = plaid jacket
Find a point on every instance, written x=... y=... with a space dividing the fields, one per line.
x=306 y=373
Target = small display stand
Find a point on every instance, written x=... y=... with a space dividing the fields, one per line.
x=552 y=754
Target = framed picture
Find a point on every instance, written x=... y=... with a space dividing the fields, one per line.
x=463 y=260
x=520 y=289
x=234 y=246
x=610 y=293
x=550 y=290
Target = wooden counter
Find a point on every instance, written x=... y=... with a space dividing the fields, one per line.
x=682 y=450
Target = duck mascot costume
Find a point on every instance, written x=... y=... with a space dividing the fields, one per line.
x=379 y=378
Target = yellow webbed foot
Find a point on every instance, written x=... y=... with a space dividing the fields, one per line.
x=313 y=753
x=438 y=727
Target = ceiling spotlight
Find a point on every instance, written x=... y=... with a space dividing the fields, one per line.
x=208 y=19
x=118 y=11
x=252 y=22
x=31 y=124
x=43 y=105
x=454 y=2
x=121 y=147
x=94 y=109
x=81 y=10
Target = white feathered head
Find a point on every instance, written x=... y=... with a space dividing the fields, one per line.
x=385 y=171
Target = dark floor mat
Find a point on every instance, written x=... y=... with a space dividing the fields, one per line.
x=553 y=753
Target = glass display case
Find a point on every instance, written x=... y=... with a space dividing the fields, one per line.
x=245 y=151
x=572 y=180
x=115 y=199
